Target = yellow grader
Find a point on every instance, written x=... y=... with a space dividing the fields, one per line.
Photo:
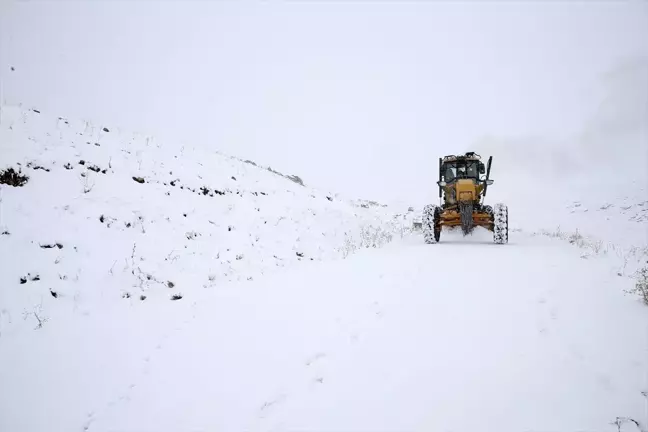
x=463 y=182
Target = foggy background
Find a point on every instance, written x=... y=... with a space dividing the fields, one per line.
x=358 y=97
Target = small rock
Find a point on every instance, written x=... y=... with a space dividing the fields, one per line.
x=81 y=162
x=105 y=129
x=170 y=284
x=138 y=179
x=54 y=294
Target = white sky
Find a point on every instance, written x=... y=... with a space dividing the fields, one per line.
x=361 y=97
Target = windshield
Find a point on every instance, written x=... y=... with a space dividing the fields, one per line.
x=460 y=169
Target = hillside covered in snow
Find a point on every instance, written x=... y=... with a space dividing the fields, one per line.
x=107 y=216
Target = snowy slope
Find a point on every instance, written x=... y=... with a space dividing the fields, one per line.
x=539 y=334
x=198 y=220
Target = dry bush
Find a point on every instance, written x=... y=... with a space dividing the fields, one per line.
x=12 y=178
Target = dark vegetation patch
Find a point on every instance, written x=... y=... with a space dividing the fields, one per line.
x=295 y=179
x=51 y=246
x=37 y=167
x=13 y=178
x=24 y=279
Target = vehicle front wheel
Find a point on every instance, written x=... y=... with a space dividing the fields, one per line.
x=500 y=227
x=431 y=223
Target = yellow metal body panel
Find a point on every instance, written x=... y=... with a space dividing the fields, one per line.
x=465 y=190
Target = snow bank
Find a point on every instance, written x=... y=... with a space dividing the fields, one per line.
x=110 y=216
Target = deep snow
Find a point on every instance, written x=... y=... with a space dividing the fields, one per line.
x=538 y=334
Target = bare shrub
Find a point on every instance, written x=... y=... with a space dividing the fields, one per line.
x=641 y=285
x=87 y=183
x=12 y=178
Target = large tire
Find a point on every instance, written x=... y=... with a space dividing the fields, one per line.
x=500 y=228
x=431 y=223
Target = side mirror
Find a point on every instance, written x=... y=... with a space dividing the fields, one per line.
x=441 y=183
x=489 y=182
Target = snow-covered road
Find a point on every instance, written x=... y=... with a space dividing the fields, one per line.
x=462 y=335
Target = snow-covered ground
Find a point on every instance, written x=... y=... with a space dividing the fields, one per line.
x=274 y=330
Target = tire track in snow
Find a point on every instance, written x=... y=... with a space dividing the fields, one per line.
x=314 y=371
x=124 y=396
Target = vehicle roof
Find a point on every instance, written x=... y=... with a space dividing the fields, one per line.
x=467 y=157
